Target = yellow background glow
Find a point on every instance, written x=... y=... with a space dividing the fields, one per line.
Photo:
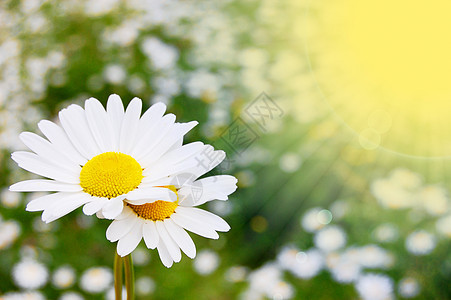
x=384 y=67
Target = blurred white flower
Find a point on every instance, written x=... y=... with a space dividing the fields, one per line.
x=373 y=256
x=290 y=162
x=375 y=287
x=311 y=221
x=63 y=277
x=100 y=7
x=71 y=296
x=30 y=6
x=56 y=59
x=236 y=274
x=221 y=208
x=145 y=286
x=287 y=256
x=434 y=199
x=96 y=279
x=114 y=74
x=166 y=86
x=9 y=199
x=390 y=195
x=330 y=238
x=386 y=233
x=30 y=274
x=136 y=84
x=443 y=226
x=409 y=287
x=36 y=23
x=282 y=290
x=251 y=294
x=29 y=295
x=206 y=262
x=163 y=56
x=339 y=209
x=420 y=242
x=140 y=257
x=263 y=281
x=406 y=178
x=308 y=264
x=346 y=271
x=124 y=35
x=201 y=82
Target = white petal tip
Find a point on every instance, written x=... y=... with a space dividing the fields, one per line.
x=122 y=254
x=30 y=208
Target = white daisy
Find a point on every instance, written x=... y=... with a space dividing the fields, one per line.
x=162 y=224
x=100 y=158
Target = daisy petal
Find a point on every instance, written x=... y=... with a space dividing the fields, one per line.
x=46 y=150
x=181 y=237
x=207 y=189
x=75 y=124
x=65 y=206
x=198 y=164
x=126 y=212
x=147 y=122
x=44 y=185
x=172 y=247
x=170 y=170
x=118 y=229
x=153 y=136
x=130 y=125
x=99 y=124
x=207 y=161
x=33 y=163
x=113 y=208
x=59 y=139
x=175 y=157
x=206 y=217
x=129 y=242
x=92 y=207
x=150 y=234
x=194 y=226
x=177 y=145
x=149 y=194
x=46 y=201
x=115 y=111
x=175 y=134
x=100 y=215
x=165 y=257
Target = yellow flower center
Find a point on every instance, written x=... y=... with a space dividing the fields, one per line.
x=158 y=210
x=110 y=174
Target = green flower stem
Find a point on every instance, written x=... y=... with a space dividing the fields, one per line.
x=118 y=276
x=129 y=277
